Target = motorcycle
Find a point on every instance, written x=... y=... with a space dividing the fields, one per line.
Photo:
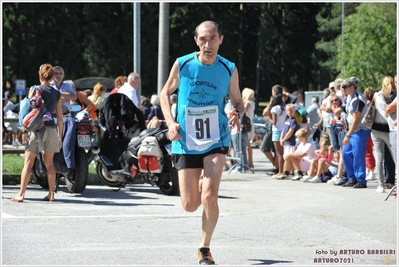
x=85 y=150
x=122 y=161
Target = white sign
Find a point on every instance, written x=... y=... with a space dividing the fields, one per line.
x=20 y=87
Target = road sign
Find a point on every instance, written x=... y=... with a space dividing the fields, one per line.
x=20 y=87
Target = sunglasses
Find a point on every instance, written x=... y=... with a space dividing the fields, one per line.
x=344 y=87
x=334 y=100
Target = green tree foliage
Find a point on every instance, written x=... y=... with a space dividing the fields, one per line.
x=291 y=44
x=329 y=27
x=370 y=42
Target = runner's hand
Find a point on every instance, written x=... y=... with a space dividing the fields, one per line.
x=173 y=132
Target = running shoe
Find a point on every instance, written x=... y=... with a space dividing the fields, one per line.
x=205 y=257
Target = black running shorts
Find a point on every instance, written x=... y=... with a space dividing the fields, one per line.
x=189 y=161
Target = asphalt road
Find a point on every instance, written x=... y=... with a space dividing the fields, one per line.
x=262 y=221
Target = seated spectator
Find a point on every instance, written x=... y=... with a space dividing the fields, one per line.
x=326 y=166
x=327 y=169
x=325 y=152
x=301 y=158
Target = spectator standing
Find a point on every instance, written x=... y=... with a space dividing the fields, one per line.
x=380 y=132
x=129 y=88
x=9 y=113
x=276 y=117
x=248 y=96
x=340 y=117
x=390 y=111
x=267 y=145
x=145 y=107
x=68 y=95
x=370 y=160
x=50 y=141
x=173 y=99
x=98 y=94
x=326 y=118
x=156 y=110
x=299 y=100
x=290 y=98
x=287 y=138
x=314 y=119
x=119 y=81
x=354 y=145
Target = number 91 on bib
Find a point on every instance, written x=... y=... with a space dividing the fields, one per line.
x=202 y=127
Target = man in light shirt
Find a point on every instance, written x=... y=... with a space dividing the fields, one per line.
x=129 y=88
x=67 y=92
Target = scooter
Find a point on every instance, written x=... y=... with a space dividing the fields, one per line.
x=84 y=148
x=139 y=159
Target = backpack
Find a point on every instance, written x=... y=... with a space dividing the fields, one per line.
x=150 y=156
x=246 y=126
x=32 y=111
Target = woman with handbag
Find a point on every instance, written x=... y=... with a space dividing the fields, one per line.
x=380 y=131
x=47 y=140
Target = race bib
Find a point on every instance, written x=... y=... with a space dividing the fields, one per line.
x=202 y=127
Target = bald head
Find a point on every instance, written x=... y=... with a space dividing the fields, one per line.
x=209 y=24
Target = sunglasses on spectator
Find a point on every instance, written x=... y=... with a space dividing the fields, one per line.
x=334 y=100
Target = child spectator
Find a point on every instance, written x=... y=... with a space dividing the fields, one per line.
x=287 y=137
x=301 y=158
x=325 y=152
x=327 y=167
x=276 y=116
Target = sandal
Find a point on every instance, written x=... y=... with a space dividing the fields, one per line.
x=46 y=198
x=13 y=199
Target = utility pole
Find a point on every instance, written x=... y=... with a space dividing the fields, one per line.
x=163 y=45
x=136 y=43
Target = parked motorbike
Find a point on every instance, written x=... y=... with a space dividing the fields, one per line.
x=86 y=148
x=120 y=161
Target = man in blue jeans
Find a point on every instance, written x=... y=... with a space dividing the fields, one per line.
x=354 y=145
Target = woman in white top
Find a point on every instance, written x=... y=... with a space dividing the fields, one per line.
x=248 y=97
x=380 y=131
x=277 y=117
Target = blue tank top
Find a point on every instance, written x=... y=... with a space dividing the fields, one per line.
x=201 y=99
